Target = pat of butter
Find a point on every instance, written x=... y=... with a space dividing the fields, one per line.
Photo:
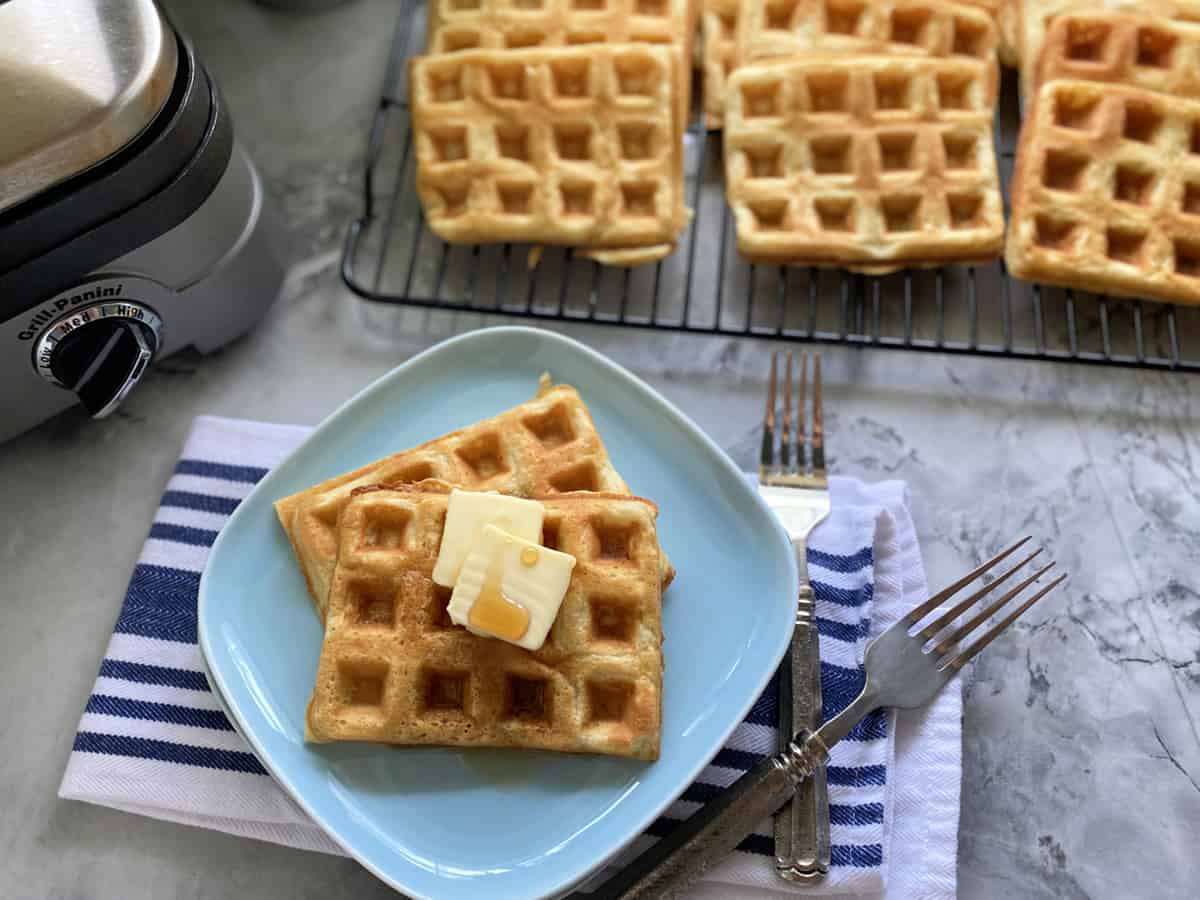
x=510 y=588
x=466 y=515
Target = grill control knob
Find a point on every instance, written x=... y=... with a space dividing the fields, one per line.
x=99 y=351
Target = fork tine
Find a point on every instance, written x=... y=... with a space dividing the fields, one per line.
x=801 y=417
x=942 y=621
x=971 y=652
x=981 y=617
x=785 y=439
x=766 y=460
x=941 y=596
x=818 y=426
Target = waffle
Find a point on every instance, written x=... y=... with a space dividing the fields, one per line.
x=781 y=28
x=1106 y=192
x=393 y=669
x=873 y=163
x=724 y=35
x=1140 y=51
x=544 y=446
x=571 y=145
x=458 y=25
x=1033 y=18
x=718 y=29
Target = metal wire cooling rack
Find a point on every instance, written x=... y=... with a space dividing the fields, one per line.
x=704 y=287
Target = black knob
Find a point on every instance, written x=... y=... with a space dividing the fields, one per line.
x=102 y=360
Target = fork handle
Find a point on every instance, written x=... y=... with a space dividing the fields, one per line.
x=709 y=835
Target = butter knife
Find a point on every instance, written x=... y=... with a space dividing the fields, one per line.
x=799 y=496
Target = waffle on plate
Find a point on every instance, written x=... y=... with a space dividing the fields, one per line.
x=393 y=669
x=545 y=446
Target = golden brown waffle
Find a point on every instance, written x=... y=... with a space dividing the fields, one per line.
x=574 y=145
x=780 y=28
x=545 y=446
x=1033 y=18
x=393 y=669
x=456 y=25
x=1106 y=192
x=811 y=25
x=1140 y=51
x=718 y=29
x=873 y=163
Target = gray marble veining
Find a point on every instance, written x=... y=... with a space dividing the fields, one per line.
x=1082 y=753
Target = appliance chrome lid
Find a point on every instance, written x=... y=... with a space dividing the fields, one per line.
x=79 y=80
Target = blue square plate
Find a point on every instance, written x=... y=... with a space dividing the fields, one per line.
x=482 y=823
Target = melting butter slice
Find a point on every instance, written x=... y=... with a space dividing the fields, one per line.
x=510 y=588
x=466 y=515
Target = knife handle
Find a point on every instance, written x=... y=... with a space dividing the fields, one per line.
x=667 y=869
x=802 y=845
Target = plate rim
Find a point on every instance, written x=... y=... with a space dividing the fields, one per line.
x=380 y=383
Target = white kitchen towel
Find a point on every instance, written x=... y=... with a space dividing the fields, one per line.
x=154 y=741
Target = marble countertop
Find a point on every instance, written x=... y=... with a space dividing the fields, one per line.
x=1082 y=752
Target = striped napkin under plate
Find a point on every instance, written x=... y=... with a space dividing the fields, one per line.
x=153 y=739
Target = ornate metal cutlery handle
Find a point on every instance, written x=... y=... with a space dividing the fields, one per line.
x=802 y=846
x=676 y=861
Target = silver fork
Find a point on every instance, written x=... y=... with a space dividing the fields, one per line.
x=797 y=489
x=905 y=668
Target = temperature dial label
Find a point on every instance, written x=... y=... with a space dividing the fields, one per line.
x=88 y=304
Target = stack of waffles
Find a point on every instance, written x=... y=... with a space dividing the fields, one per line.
x=1106 y=187
x=860 y=134
x=394 y=669
x=555 y=122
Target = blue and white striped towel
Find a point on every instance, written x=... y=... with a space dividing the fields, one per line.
x=153 y=739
